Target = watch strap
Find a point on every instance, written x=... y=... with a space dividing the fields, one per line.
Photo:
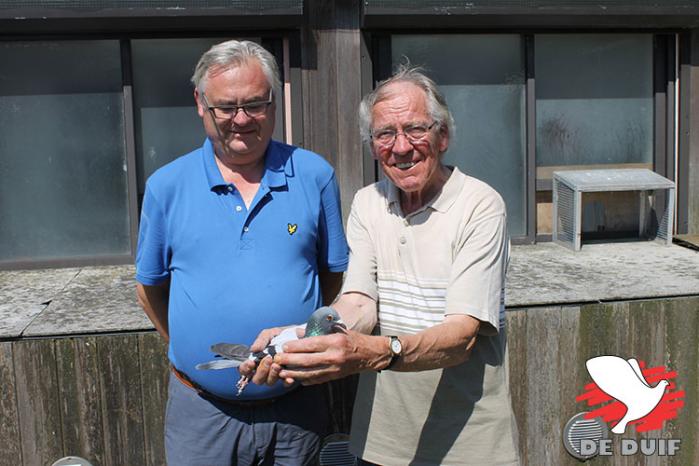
x=394 y=356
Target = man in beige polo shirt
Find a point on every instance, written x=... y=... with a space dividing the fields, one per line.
x=423 y=297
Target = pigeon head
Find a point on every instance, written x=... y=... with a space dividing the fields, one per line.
x=324 y=321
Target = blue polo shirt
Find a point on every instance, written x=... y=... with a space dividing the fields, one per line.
x=235 y=271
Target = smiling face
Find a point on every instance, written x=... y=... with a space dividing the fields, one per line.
x=415 y=168
x=240 y=140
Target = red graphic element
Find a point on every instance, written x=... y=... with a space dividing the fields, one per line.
x=667 y=409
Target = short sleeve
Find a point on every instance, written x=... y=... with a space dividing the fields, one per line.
x=152 y=254
x=361 y=273
x=333 y=253
x=477 y=279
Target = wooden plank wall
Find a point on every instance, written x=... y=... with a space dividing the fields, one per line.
x=98 y=397
x=103 y=397
x=332 y=89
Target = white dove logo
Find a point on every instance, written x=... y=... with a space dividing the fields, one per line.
x=623 y=380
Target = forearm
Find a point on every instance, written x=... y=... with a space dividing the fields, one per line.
x=444 y=345
x=154 y=301
x=358 y=312
x=320 y=359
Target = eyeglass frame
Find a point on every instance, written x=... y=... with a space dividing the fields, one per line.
x=236 y=108
x=410 y=139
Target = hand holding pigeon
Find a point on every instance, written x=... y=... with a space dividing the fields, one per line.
x=323 y=321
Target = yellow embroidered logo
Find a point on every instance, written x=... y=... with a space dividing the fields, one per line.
x=291 y=228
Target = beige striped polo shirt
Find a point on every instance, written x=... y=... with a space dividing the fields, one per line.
x=448 y=257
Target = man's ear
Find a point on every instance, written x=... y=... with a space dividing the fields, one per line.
x=200 y=107
x=443 y=139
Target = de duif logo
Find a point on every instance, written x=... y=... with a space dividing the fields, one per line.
x=626 y=396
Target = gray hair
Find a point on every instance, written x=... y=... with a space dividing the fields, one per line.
x=235 y=53
x=436 y=103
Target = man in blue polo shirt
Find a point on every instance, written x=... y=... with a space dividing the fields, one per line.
x=240 y=235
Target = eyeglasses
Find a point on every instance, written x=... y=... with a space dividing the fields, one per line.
x=228 y=112
x=414 y=134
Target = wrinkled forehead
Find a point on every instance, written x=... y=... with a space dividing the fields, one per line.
x=402 y=101
x=400 y=89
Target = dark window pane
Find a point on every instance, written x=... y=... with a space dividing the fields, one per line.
x=167 y=123
x=62 y=157
x=594 y=100
x=482 y=77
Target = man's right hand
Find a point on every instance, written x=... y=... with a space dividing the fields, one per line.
x=264 y=372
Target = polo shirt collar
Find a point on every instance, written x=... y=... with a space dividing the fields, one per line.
x=277 y=167
x=444 y=199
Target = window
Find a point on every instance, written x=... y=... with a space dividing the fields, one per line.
x=482 y=78
x=62 y=153
x=72 y=169
x=528 y=104
x=165 y=116
x=594 y=100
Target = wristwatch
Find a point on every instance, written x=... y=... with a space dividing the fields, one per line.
x=396 y=348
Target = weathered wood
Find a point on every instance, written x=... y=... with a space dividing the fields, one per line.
x=543 y=397
x=681 y=331
x=120 y=388
x=37 y=400
x=108 y=404
x=331 y=53
x=517 y=360
x=688 y=169
x=154 y=377
x=79 y=400
x=10 y=453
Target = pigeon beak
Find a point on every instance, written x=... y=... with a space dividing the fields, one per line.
x=339 y=324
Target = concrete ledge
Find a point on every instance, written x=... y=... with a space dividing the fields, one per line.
x=547 y=273
x=102 y=299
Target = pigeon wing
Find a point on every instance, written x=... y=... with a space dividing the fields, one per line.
x=218 y=364
x=231 y=351
x=288 y=334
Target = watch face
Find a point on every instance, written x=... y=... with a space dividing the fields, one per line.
x=396 y=346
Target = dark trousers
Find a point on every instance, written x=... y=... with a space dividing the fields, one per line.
x=202 y=432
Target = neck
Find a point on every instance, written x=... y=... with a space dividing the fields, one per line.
x=233 y=172
x=413 y=201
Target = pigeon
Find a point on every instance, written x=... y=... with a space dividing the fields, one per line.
x=324 y=321
x=623 y=380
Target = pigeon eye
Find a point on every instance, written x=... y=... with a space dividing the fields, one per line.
x=329 y=318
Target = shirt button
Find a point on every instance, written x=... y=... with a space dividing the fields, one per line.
x=245 y=229
x=238 y=208
x=403 y=240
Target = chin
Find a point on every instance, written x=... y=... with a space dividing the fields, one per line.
x=240 y=149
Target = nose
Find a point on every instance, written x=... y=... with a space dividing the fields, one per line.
x=402 y=145
x=240 y=118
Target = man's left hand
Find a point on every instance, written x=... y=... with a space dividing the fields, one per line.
x=321 y=359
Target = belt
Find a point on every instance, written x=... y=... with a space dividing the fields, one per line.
x=182 y=377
